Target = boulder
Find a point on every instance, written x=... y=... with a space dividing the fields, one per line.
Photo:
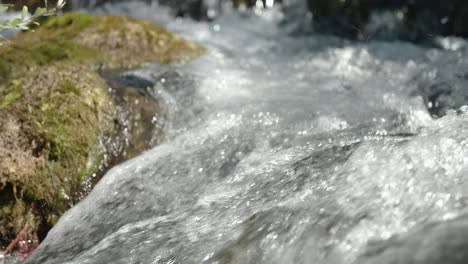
x=52 y=121
x=61 y=123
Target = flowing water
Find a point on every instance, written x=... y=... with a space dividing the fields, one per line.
x=283 y=147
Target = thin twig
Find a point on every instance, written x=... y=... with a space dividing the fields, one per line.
x=15 y=241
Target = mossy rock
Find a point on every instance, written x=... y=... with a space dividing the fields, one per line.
x=58 y=117
x=52 y=121
x=107 y=42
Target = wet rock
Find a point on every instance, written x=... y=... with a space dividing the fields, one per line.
x=142 y=115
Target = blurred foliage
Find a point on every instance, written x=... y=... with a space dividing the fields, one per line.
x=24 y=21
x=32 y=4
x=417 y=20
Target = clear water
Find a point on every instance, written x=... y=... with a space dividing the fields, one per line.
x=286 y=148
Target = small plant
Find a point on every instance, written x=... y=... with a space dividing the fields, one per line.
x=24 y=21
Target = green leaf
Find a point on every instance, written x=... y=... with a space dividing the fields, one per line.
x=24 y=13
x=10 y=98
x=3 y=8
x=5 y=23
x=16 y=22
x=39 y=11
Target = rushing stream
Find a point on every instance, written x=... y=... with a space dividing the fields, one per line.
x=286 y=148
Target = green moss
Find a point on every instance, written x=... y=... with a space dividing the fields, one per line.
x=109 y=41
x=26 y=55
x=61 y=113
x=13 y=95
x=5 y=70
x=46 y=52
x=128 y=42
x=68 y=87
x=70 y=24
x=20 y=216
